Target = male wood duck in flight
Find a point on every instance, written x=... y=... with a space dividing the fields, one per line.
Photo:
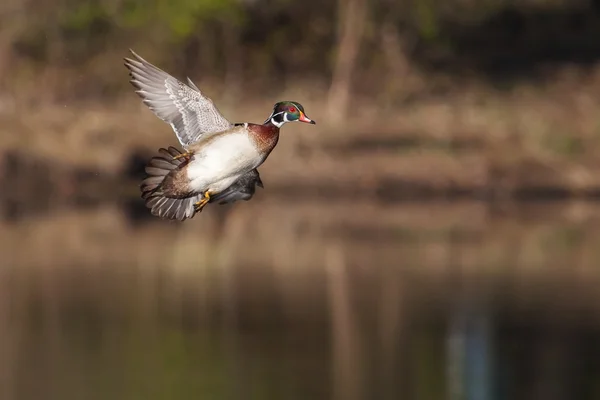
x=220 y=159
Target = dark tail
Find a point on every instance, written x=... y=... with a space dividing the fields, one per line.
x=153 y=193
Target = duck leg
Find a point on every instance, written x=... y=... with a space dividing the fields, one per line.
x=198 y=206
x=186 y=155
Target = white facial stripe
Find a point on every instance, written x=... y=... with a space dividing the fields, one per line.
x=273 y=114
x=276 y=123
x=285 y=117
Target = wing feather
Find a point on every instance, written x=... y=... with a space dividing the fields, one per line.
x=185 y=108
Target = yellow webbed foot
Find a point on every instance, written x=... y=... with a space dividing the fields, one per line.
x=185 y=155
x=200 y=205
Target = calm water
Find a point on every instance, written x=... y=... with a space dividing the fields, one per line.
x=303 y=301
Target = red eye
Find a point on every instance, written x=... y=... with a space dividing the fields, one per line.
x=292 y=109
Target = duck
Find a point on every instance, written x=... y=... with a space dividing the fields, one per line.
x=219 y=159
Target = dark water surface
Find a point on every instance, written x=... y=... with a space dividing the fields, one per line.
x=304 y=301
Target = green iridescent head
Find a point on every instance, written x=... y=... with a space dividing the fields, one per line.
x=288 y=111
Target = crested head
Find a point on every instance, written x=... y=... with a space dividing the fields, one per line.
x=288 y=111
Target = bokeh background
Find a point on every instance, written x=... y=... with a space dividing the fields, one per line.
x=434 y=236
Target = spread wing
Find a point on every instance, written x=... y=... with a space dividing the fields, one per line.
x=185 y=108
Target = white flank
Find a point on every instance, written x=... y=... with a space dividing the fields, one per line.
x=222 y=162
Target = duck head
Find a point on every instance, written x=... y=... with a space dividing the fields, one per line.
x=288 y=111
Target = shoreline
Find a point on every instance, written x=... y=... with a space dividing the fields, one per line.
x=26 y=177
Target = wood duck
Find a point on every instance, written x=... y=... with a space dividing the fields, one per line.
x=220 y=159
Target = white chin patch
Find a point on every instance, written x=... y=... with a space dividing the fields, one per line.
x=277 y=124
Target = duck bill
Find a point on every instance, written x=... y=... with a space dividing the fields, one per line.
x=304 y=118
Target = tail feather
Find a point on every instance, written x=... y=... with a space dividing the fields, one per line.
x=161 y=206
x=154 y=171
x=170 y=153
x=181 y=208
x=159 y=162
x=152 y=182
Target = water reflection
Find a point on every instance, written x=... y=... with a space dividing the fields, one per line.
x=303 y=301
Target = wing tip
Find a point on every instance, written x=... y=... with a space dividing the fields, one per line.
x=138 y=62
x=136 y=55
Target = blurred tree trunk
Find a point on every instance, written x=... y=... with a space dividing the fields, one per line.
x=234 y=66
x=351 y=24
x=6 y=58
x=403 y=80
x=12 y=18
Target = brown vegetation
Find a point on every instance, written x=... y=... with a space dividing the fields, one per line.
x=449 y=98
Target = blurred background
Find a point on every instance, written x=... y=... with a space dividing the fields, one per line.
x=434 y=236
